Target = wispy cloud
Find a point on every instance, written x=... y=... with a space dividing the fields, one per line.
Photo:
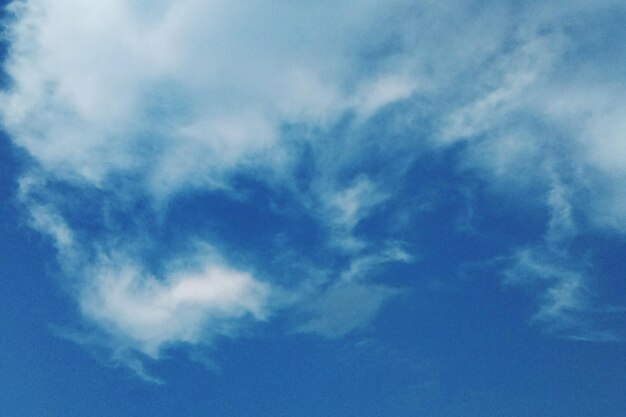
x=145 y=102
x=129 y=105
x=567 y=305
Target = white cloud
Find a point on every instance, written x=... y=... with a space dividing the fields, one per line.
x=507 y=85
x=561 y=225
x=179 y=95
x=346 y=208
x=218 y=79
x=147 y=313
x=567 y=306
x=592 y=115
x=360 y=267
x=382 y=92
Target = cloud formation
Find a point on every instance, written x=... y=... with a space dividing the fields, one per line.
x=128 y=106
x=133 y=100
x=148 y=313
x=221 y=79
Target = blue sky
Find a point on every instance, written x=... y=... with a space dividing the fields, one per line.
x=382 y=208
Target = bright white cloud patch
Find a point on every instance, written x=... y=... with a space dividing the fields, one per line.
x=221 y=79
x=126 y=105
x=148 y=313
